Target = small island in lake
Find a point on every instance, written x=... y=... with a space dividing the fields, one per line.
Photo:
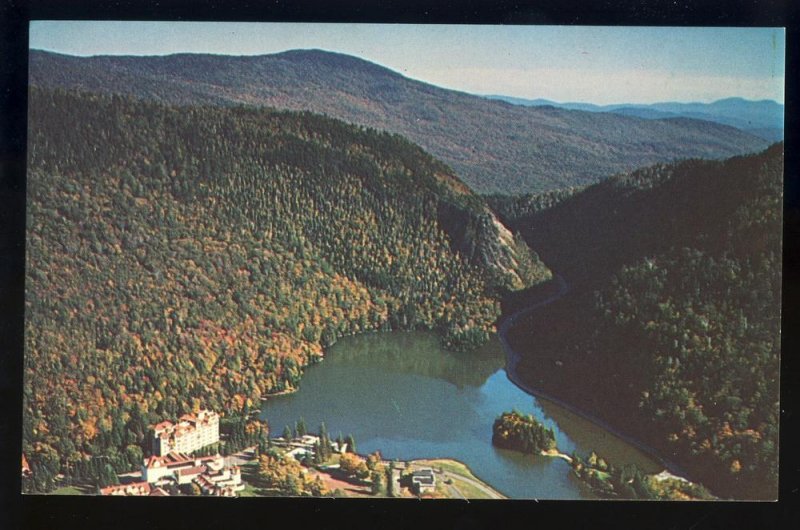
x=522 y=432
x=519 y=432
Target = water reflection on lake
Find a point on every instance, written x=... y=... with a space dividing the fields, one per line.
x=404 y=395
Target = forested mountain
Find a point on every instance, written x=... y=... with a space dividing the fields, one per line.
x=672 y=329
x=495 y=147
x=518 y=208
x=181 y=257
x=762 y=118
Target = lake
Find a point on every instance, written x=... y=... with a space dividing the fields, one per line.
x=401 y=393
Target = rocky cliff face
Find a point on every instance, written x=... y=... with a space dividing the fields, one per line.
x=480 y=236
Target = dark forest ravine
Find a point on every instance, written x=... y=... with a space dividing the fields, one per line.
x=513 y=357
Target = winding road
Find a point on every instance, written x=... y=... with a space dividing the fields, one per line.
x=444 y=475
x=512 y=362
x=492 y=494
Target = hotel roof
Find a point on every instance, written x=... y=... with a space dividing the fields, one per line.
x=133 y=488
x=172 y=460
x=195 y=470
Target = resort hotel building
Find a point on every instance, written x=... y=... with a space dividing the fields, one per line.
x=192 y=432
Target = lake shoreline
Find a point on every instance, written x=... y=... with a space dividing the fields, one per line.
x=415 y=356
x=513 y=359
x=371 y=385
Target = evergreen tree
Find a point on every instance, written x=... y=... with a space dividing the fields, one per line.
x=351 y=444
x=300 y=428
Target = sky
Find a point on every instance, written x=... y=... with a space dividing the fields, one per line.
x=601 y=65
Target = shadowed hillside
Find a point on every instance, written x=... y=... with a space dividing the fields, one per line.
x=672 y=328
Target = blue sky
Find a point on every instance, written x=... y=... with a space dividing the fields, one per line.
x=563 y=63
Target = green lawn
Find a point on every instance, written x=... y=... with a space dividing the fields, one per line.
x=250 y=476
x=451 y=466
x=469 y=491
x=249 y=491
x=456 y=470
x=74 y=490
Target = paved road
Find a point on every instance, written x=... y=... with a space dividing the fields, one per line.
x=488 y=491
x=240 y=458
x=455 y=492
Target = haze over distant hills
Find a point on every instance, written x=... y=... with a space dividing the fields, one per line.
x=494 y=147
x=762 y=118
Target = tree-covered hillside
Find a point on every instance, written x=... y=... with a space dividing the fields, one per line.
x=672 y=329
x=515 y=209
x=495 y=147
x=588 y=234
x=201 y=256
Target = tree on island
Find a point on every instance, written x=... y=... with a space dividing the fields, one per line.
x=519 y=432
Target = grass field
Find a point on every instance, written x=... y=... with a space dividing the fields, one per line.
x=249 y=491
x=74 y=490
x=452 y=466
x=469 y=491
x=458 y=472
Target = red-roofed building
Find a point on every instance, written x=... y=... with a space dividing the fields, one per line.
x=222 y=484
x=186 y=475
x=209 y=472
x=132 y=489
x=163 y=426
x=157 y=468
x=191 y=433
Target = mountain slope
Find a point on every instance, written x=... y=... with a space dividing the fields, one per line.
x=589 y=233
x=492 y=146
x=761 y=118
x=671 y=331
x=180 y=257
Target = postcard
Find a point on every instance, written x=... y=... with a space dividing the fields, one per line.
x=406 y=261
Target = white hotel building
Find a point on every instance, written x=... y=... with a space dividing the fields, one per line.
x=191 y=433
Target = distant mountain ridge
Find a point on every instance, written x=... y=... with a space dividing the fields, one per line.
x=494 y=147
x=763 y=118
